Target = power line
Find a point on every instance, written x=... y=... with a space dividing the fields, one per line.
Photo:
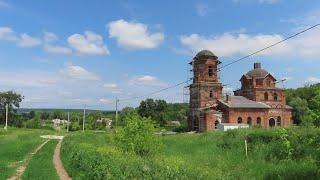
x=226 y=65
x=263 y=49
x=155 y=92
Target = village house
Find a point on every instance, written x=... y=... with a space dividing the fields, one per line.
x=257 y=102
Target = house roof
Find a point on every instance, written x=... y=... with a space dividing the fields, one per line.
x=242 y=102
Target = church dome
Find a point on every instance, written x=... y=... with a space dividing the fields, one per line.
x=205 y=53
x=257 y=72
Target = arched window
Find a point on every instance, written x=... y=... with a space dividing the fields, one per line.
x=275 y=96
x=210 y=71
x=211 y=94
x=266 y=96
x=216 y=124
x=249 y=121
x=258 y=120
x=239 y=120
x=272 y=122
x=279 y=121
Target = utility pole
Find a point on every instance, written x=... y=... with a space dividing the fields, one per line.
x=68 y=122
x=117 y=100
x=84 y=118
x=6 y=127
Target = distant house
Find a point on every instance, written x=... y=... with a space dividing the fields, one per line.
x=105 y=120
x=57 y=122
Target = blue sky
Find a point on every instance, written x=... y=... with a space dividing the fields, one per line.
x=70 y=54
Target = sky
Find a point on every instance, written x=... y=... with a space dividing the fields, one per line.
x=75 y=54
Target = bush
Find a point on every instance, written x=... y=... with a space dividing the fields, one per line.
x=294 y=171
x=34 y=123
x=74 y=126
x=137 y=136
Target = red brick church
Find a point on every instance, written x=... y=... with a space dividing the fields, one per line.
x=257 y=102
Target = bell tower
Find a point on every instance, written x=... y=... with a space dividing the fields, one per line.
x=205 y=90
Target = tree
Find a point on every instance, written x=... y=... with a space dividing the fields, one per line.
x=137 y=136
x=155 y=109
x=124 y=112
x=11 y=99
x=44 y=115
x=32 y=114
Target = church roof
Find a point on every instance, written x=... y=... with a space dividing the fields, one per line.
x=205 y=53
x=257 y=72
x=242 y=102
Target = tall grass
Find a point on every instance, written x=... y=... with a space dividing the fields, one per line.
x=15 y=144
x=217 y=155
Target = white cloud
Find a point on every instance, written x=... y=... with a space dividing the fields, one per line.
x=268 y=1
x=133 y=35
x=105 y=101
x=228 y=44
x=28 y=41
x=78 y=73
x=313 y=80
x=7 y=34
x=50 y=37
x=202 y=9
x=4 y=4
x=259 y=1
x=110 y=85
x=89 y=43
x=146 y=80
x=57 y=49
x=27 y=79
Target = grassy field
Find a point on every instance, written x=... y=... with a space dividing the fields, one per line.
x=41 y=165
x=15 y=144
x=218 y=155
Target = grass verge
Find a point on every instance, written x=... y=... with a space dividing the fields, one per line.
x=15 y=144
x=41 y=166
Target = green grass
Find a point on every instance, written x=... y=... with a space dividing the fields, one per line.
x=41 y=166
x=217 y=155
x=15 y=144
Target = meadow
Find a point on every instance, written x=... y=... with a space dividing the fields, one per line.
x=16 y=144
x=272 y=154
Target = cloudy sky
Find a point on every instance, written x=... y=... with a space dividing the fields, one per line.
x=70 y=54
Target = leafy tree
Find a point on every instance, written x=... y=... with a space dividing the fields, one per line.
x=45 y=115
x=153 y=109
x=34 y=123
x=137 y=136
x=124 y=112
x=32 y=114
x=11 y=99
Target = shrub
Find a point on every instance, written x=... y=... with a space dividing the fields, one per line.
x=74 y=126
x=34 y=123
x=294 y=171
x=137 y=136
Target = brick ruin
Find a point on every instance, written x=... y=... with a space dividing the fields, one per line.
x=257 y=102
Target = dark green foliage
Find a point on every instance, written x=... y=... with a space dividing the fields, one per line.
x=155 y=109
x=306 y=105
x=162 y=112
x=294 y=171
x=11 y=99
x=34 y=123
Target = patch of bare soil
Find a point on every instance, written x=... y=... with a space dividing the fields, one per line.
x=62 y=173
